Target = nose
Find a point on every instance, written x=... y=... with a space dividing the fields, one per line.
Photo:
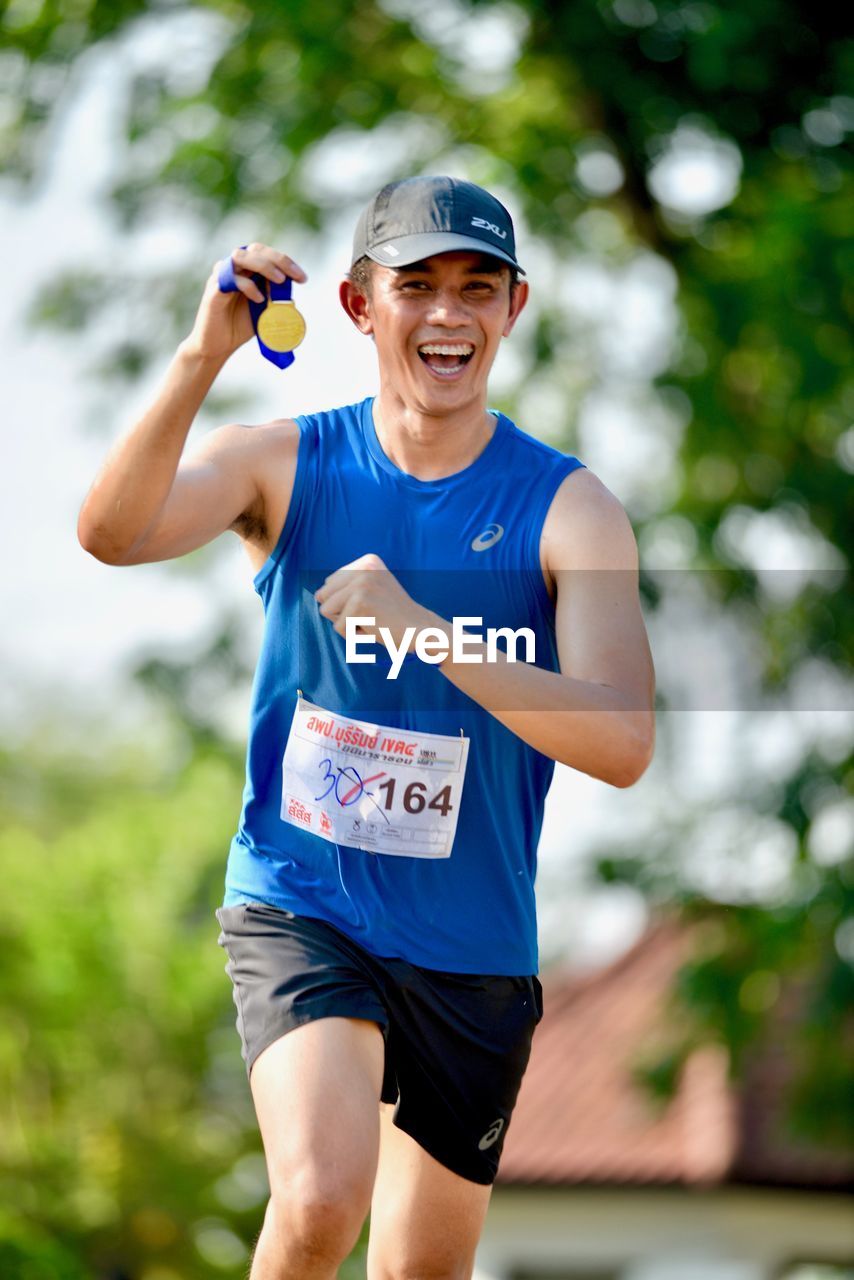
x=448 y=309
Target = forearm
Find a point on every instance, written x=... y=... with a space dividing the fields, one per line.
x=134 y=482
x=591 y=727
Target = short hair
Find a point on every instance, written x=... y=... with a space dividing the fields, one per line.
x=362 y=270
x=360 y=273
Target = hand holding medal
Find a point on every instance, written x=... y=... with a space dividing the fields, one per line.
x=278 y=325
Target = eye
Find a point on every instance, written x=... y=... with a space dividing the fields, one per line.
x=413 y=286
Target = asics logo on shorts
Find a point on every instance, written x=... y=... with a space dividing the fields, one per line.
x=492 y=1135
x=491 y=534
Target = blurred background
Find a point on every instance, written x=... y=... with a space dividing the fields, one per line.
x=680 y=175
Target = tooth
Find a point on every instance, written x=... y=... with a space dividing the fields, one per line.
x=445 y=349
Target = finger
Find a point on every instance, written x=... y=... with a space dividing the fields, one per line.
x=345 y=580
x=289 y=267
x=368 y=561
x=247 y=286
x=335 y=582
x=257 y=263
x=345 y=573
x=339 y=624
x=336 y=603
x=267 y=261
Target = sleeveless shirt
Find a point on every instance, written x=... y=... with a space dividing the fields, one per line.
x=467 y=545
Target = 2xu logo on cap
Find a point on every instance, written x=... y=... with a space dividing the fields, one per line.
x=489 y=226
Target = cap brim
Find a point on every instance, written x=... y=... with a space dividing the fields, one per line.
x=402 y=251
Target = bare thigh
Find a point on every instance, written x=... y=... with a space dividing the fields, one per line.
x=425 y=1220
x=316 y=1092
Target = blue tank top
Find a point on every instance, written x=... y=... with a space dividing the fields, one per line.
x=472 y=912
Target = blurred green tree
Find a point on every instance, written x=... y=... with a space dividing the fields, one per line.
x=121 y=1114
x=129 y=1144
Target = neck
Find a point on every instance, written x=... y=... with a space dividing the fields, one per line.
x=430 y=446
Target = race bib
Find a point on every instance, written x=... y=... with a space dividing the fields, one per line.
x=372 y=787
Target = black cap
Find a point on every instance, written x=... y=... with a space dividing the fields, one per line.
x=415 y=218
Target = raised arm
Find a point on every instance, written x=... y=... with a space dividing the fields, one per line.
x=145 y=503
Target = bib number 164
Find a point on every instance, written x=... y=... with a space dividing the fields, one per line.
x=414 y=797
x=349 y=787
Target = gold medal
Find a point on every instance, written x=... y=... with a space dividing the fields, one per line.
x=280 y=326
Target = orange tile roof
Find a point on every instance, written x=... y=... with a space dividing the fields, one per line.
x=582 y=1118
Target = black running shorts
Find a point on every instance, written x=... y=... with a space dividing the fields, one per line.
x=456 y=1044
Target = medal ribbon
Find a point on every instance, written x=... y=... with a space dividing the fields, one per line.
x=278 y=293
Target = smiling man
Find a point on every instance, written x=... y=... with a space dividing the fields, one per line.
x=379 y=912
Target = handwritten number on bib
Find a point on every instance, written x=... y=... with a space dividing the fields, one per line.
x=330 y=776
x=333 y=777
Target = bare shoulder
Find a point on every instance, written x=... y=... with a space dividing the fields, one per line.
x=240 y=445
x=587 y=527
x=267 y=440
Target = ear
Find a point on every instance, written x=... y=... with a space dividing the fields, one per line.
x=517 y=305
x=357 y=305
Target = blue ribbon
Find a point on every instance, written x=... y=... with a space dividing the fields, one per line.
x=278 y=293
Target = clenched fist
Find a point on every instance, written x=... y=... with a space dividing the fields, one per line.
x=365 y=588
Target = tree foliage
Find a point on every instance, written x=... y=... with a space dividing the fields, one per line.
x=129 y=1144
x=120 y=1110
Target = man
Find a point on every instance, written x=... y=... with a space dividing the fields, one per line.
x=379 y=911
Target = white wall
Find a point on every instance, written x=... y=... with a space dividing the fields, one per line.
x=662 y=1234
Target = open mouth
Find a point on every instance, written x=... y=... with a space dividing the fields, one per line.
x=446 y=358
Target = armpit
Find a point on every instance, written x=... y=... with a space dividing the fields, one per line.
x=251 y=526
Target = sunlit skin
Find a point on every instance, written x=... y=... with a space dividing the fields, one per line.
x=430 y=424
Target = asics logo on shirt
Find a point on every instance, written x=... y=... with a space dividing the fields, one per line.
x=492 y=533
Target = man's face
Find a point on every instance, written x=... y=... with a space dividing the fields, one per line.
x=437 y=325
